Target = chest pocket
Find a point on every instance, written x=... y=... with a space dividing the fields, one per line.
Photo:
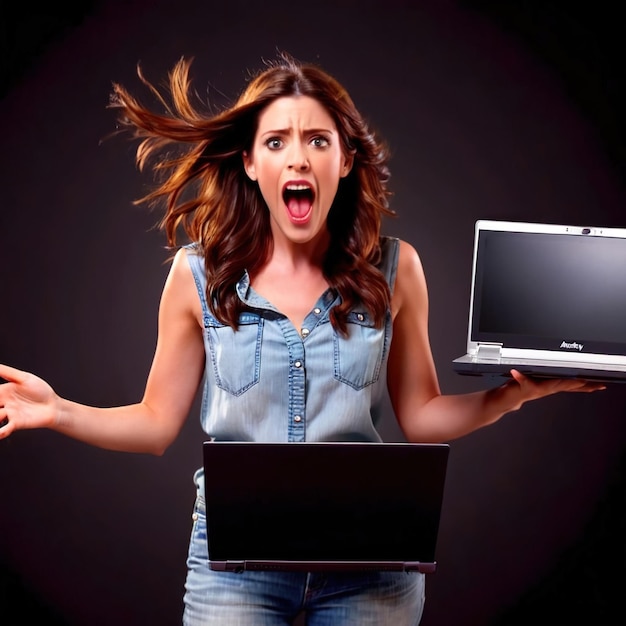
x=235 y=355
x=360 y=355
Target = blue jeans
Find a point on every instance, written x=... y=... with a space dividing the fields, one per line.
x=215 y=598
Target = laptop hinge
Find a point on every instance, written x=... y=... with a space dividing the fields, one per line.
x=490 y=351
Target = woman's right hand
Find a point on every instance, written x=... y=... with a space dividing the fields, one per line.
x=26 y=401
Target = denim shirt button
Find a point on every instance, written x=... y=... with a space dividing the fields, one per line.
x=298 y=364
x=304 y=332
x=360 y=317
x=317 y=310
x=297 y=418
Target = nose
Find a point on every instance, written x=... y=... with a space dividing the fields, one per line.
x=298 y=159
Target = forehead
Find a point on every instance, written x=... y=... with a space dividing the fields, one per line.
x=295 y=111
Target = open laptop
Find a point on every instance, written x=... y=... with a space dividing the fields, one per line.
x=323 y=506
x=548 y=300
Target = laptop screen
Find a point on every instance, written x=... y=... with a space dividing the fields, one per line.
x=322 y=504
x=560 y=290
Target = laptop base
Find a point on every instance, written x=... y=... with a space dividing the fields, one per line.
x=337 y=566
x=471 y=367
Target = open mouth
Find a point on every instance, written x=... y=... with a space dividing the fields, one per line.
x=298 y=198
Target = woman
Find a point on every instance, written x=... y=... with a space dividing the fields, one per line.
x=290 y=308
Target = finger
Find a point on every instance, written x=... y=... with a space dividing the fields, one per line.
x=588 y=387
x=12 y=374
x=580 y=384
x=6 y=431
x=522 y=377
x=559 y=384
x=515 y=375
x=6 y=427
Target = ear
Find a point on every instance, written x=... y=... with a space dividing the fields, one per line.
x=248 y=165
x=348 y=162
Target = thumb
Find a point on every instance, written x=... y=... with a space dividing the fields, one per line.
x=12 y=374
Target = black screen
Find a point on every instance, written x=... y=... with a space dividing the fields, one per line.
x=536 y=290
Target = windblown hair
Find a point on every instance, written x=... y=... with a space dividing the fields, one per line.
x=198 y=155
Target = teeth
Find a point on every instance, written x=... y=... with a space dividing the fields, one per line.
x=297 y=187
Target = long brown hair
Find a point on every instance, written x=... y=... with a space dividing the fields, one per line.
x=198 y=157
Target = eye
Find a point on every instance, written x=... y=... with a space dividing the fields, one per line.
x=274 y=143
x=320 y=142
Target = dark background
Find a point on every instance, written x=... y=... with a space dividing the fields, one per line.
x=503 y=110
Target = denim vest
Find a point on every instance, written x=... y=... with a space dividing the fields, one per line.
x=268 y=382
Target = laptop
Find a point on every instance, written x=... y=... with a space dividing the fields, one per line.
x=548 y=300
x=323 y=506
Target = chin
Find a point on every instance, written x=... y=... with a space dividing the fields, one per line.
x=304 y=234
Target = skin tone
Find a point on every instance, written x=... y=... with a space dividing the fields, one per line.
x=296 y=149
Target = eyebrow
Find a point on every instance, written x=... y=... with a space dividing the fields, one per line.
x=288 y=131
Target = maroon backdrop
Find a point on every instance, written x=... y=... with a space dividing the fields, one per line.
x=490 y=112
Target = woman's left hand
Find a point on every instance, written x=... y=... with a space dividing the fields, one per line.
x=533 y=388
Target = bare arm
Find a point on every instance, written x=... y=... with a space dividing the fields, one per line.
x=423 y=413
x=148 y=426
